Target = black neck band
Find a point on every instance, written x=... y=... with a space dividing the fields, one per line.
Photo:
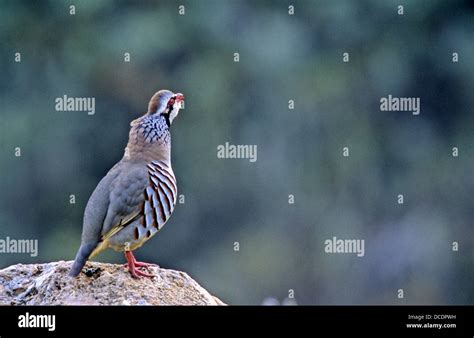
x=167 y=118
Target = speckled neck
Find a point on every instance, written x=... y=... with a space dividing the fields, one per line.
x=149 y=139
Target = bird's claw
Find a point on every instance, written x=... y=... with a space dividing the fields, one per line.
x=137 y=273
x=133 y=265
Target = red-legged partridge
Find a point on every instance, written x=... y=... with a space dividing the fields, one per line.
x=138 y=195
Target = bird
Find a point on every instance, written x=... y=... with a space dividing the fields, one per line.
x=135 y=199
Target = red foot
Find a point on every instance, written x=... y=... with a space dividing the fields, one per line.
x=142 y=265
x=133 y=266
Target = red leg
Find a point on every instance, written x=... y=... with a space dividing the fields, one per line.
x=140 y=264
x=133 y=266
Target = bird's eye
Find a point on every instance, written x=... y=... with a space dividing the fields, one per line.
x=171 y=102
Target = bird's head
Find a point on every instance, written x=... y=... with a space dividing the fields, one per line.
x=166 y=103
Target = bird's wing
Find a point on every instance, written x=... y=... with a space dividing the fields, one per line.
x=94 y=217
x=97 y=208
x=148 y=195
x=126 y=198
x=122 y=224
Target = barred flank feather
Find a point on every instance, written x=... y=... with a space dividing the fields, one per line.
x=160 y=196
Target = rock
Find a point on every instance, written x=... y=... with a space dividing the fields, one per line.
x=101 y=284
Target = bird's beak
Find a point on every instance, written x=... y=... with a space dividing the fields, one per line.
x=179 y=97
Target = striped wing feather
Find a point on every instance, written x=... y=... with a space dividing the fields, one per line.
x=160 y=197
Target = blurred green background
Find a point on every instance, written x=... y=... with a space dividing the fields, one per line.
x=282 y=57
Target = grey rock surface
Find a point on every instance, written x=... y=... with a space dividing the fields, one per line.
x=104 y=284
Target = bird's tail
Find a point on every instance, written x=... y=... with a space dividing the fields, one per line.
x=82 y=255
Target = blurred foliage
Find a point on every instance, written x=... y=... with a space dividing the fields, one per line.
x=282 y=57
